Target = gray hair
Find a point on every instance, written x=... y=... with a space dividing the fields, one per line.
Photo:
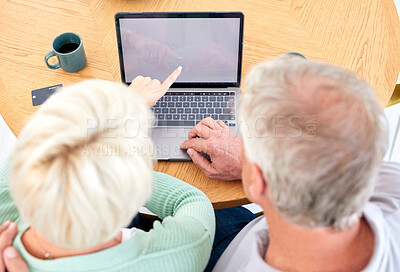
x=316 y=132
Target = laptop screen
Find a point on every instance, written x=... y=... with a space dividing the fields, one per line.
x=208 y=49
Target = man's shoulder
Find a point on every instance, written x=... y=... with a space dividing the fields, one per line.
x=387 y=241
x=386 y=194
x=247 y=248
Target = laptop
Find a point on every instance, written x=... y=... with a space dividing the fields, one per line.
x=208 y=45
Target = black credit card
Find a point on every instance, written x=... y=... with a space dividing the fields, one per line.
x=41 y=95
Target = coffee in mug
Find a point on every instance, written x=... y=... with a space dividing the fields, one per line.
x=68 y=48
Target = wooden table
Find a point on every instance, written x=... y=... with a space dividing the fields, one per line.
x=360 y=35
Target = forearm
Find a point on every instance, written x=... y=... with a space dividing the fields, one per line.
x=173 y=197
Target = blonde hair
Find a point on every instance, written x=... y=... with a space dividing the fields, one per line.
x=316 y=132
x=83 y=164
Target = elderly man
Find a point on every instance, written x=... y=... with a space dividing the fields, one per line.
x=312 y=150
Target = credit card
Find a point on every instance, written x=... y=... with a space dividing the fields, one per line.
x=41 y=95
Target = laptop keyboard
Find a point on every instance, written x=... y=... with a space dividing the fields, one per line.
x=189 y=108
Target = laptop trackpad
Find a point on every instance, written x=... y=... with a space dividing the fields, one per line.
x=167 y=142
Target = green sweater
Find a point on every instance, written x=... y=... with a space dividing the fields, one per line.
x=182 y=242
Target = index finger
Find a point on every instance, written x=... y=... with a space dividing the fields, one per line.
x=171 y=79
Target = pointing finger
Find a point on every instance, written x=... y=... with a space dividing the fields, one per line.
x=171 y=79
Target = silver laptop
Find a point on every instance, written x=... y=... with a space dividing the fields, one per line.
x=209 y=48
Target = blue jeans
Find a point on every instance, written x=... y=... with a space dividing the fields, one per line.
x=229 y=222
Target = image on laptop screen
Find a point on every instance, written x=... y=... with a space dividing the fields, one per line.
x=206 y=48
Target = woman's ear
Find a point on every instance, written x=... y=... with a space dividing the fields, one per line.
x=258 y=187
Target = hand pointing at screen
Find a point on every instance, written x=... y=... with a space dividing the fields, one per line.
x=151 y=90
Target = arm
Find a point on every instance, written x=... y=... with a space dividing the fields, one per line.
x=8 y=210
x=183 y=241
x=173 y=197
x=151 y=90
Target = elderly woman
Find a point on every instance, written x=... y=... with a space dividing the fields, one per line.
x=81 y=170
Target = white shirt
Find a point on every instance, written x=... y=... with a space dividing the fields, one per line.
x=127 y=234
x=246 y=252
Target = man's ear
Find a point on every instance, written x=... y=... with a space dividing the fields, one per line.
x=257 y=187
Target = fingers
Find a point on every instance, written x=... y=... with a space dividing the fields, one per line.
x=222 y=124
x=209 y=122
x=204 y=128
x=154 y=83
x=152 y=89
x=136 y=80
x=148 y=81
x=145 y=82
x=171 y=79
x=13 y=261
x=197 y=144
x=200 y=130
x=6 y=238
x=4 y=226
x=200 y=161
x=140 y=80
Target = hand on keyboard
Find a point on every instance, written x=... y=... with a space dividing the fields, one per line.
x=151 y=90
x=221 y=144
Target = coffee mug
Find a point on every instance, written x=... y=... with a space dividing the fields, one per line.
x=69 y=50
x=295 y=54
